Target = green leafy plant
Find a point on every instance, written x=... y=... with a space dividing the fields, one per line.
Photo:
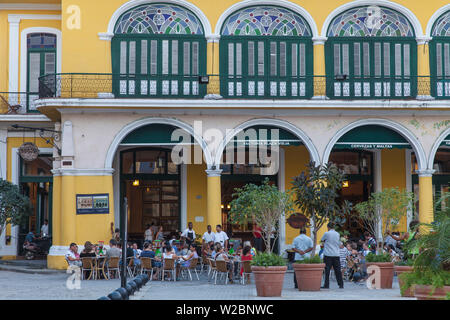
x=405 y=263
x=311 y=260
x=432 y=263
x=385 y=257
x=14 y=206
x=317 y=196
x=384 y=209
x=264 y=205
x=265 y=259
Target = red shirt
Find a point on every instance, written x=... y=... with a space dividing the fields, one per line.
x=257 y=232
x=247 y=257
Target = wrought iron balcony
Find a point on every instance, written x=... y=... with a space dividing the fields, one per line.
x=17 y=102
x=99 y=85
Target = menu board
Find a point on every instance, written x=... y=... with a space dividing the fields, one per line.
x=92 y=203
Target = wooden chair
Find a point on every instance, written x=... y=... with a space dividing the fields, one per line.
x=221 y=269
x=192 y=266
x=246 y=265
x=113 y=265
x=87 y=264
x=169 y=267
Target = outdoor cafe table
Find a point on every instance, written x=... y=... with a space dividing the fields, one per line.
x=100 y=261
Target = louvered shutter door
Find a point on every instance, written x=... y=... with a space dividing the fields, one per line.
x=283 y=59
x=144 y=56
x=123 y=57
x=345 y=59
x=377 y=59
x=187 y=58
x=337 y=59
x=387 y=59
x=239 y=59
x=251 y=58
x=154 y=57
x=302 y=60
x=34 y=70
x=406 y=60
x=132 y=57
x=165 y=57
x=439 y=59
x=398 y=59
x=366 y=59
x=231 y=59
x=195 y=58
x=273 y=59
x=294 y=56
x=447 y=59
x=357 y=59
x=175 y=57
x=260 y=58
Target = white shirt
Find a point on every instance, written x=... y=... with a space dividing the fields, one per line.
x=185 y=233
x=208 y=237
x=148 y=235
x=72 y=255
x=302 y=243
x=220 y=237
x=44 y=230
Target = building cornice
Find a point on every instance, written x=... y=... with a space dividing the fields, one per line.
x=24 y=118
x=83 y=172
x=30 y=6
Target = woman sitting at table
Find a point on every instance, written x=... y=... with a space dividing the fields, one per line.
x=88 y=251
x=192 y=254
x=222 y=256
x=246 y=256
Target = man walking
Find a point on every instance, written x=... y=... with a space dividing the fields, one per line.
x=332 y=242
x=302 y=247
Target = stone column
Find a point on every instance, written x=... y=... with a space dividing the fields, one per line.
x=214 y=198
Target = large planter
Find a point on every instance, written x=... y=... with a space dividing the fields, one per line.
x=269 y=280
x=309 y=276
x=422 y=292
x=386 y=273
x=399 y=270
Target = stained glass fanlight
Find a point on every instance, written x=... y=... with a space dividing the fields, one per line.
x=158 y=19
x=370 y=21
x=265 y=21
x=441 y=27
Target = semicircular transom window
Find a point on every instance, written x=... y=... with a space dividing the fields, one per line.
x=266 y=21
x=266 y=52
x=158 y=50
x=440 y=57
x=371 y=53
x=158 y=19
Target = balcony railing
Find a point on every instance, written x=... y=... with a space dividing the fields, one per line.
x=18 y=102
x=97 y=85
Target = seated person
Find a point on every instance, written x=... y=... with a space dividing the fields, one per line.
x=222 y=256
x=88 y=251
x=192 y=254
x=72 y=256
x=113 y=251
x=156 y=261
x=246 y=256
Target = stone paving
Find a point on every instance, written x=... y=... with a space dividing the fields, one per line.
x=53 y=287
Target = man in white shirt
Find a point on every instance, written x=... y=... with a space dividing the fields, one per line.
x=221 y=237
x=72 y=256
x=208 y=236
x=302 y=247
x=44 y=229
x=189 y=234
x=332 y=242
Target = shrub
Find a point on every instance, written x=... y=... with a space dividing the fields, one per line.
x=311 y=260
x=268 y=260
x=385 y=257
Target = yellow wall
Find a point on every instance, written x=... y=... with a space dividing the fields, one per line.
x=295 y=158
x=393 y=174
x=196 y=196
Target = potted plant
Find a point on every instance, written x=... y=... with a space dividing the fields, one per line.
x=265 y=205
x=317 y=194
x=430 y=277
x=384 y=265
x=401 y=267
x=383 y=211
x=14 y=206
x=308 y=273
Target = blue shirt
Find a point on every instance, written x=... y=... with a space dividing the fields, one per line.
x=147 y=254
x=303 y=243
x=332 y=242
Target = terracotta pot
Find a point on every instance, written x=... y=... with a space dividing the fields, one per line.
x=422 y=292
x=386 y=273
x=269 y=280
x=309 y=276
x=399 y=270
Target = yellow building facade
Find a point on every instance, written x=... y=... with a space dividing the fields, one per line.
x=107 y=90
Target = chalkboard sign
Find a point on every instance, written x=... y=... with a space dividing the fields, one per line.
x=92 y=203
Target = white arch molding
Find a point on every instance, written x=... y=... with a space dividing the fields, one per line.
x=403 y=131
x=436 y=146
x=434 y=17
x=384 y=3
x=280 y=3
x=153 y=120
x=134 y=3
x=314 y=155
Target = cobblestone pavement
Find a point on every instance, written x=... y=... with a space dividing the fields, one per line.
x=53 y=287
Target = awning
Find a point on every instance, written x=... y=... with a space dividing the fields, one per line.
x=446 y=142
x=372 y=137
x=266 y=136
x=157 y=135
